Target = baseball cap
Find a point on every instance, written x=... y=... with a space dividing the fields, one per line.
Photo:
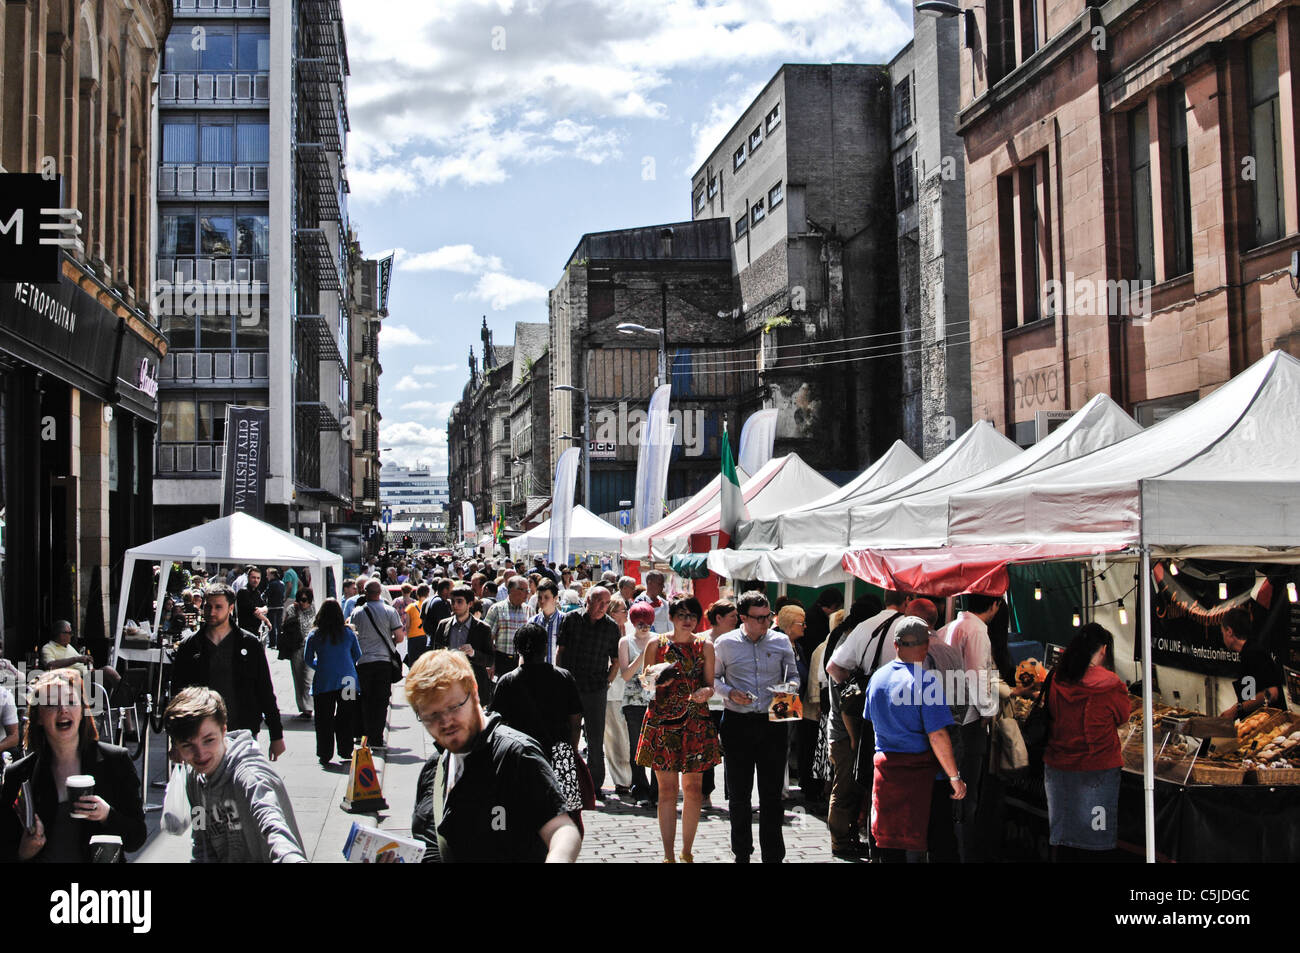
x=911 y=631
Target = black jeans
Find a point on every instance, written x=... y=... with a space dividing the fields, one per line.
x=642 y=789
x=709 y=784
x=754 y=744
x=972 y=755
x=415 y=647
x=593 y=725
x=336 y=719
x=805 y=732
x=375 y=689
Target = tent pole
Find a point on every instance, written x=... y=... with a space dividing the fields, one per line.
x=164 y=572
x=1148 y=755
x=128 y=570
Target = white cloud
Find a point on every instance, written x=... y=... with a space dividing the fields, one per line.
x=413 y=442
x=501 y=291
x=399 y=335
x=459 y=91
x=428 y=410
x=425 y=370
x=409 y=383
x=461 y=258
x=722 y=115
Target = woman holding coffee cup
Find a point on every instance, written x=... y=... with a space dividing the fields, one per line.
x=80 y=787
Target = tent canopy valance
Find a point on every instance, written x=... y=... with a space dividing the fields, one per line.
x=588 y=533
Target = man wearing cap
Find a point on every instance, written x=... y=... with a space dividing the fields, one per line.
x=908 y=710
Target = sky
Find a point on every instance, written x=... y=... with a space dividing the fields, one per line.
x=487 y=136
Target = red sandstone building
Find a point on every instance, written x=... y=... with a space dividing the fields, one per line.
x=1148 y=144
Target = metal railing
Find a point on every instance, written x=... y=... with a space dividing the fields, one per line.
x=198 y=181
x=186 y=366
x=193 y=456
x=224 y=89
x=210 y=268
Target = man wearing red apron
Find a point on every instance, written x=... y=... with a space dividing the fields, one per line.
x=909 y=711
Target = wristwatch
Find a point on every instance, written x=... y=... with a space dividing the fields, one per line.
x=954 y=777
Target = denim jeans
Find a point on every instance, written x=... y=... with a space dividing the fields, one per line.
x=593 y=726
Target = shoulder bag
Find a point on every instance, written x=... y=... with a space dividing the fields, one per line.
x=853 y=693
x=1038 y=726
x=394 y=659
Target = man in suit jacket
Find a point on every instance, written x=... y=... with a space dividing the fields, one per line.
x=462 y=632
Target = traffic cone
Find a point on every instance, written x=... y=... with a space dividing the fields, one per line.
x=364 y=795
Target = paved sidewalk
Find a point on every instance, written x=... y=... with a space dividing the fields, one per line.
x=616 y=832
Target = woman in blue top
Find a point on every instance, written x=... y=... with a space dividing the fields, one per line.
x=332 y=650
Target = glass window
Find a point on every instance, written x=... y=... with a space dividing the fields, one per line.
x=775 y=196
x=217 y=144
x=774 y=117
x=1144 y=247
x=254 y=50
x=179 y=143
x=176 y=234
x=212 y=420
x=758 y=211
x=254 y=142
x=1182 y=197
x=713 y=186
x=903 y=104
x=742 y=226
x=214 y=332
x=218 y=52
x=255 y=336
x=217 y=233
x=1265 y=137
x=180 y=54
x=699 y=200
x=176 y=420
x=179 y=329
x=738 y=159
x=254 y=234
x=756 y=138
x=906 y=185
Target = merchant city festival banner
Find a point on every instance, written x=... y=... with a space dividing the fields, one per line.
x=244 y=471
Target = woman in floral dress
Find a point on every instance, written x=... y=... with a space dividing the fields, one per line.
x=678 y=737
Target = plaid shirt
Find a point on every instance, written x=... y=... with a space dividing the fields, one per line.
x=589 y=649
x=505 y=620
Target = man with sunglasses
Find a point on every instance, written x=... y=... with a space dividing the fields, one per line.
x=747 y=663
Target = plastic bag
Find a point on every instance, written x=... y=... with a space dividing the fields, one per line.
x=176 y=802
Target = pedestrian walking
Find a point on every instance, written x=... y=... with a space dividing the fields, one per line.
x=677 y=738
x=332 y=651
x=240 y=809
x=723 y=617
x=636 y=699
x=299 y=619
x=273 y=594
x=379 y=630
x=463 y=633
x=61 y=745
x=417 y=638
x=504 y=618
x=489 y=795
x=617 y=745
x=587 y=645
x=750 y=662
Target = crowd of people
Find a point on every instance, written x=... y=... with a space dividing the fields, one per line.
x=511 y=667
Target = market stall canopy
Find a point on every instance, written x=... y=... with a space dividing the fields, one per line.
x=1221 y=478
x=238 y=538
x=780 y=484
x=920 y=520
x=897 y=462
x=588 y=533
x=637 y=545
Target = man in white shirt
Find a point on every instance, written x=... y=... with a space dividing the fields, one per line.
x=969 y=634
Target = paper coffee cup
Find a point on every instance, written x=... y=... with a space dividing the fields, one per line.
x=105 y=849
x=79 y=786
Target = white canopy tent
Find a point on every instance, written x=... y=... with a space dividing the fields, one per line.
x=637 y=545
x=781 y=483
x=238 y=538
x=919 y=520
x=588 y=533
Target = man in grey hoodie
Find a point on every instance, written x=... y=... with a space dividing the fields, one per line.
x=239 y=807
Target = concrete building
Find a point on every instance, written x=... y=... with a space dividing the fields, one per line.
x=478 y=436
x=930 y=190
x=1132 y=201
x=530 y=432
x=676 y=279
x=251 y=190
x=79 y=345
x=805 y=180
x=404 y=487
x=366 y=312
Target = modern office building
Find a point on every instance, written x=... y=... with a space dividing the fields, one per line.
x=403 y=487
x=252 y=234
x=79 y=346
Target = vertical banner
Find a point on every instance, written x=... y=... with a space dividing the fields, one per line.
x=652 y=460
x=757 y=438
x=385 y=280
x=244 y=470
x=732 y=499
x=566 y=475
x=467 y=531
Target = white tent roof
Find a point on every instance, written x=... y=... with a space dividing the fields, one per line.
x=1221 y=477
x=782 y=483
x=637 y=545
x=588 y=533
x=238 y=538
x=763 y=532
x=921 y=519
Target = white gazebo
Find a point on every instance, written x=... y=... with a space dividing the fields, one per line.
x=238 y=538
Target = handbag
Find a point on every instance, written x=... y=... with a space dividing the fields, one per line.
x=853 y=693
x=1007 y=752
x=291 y=638
x=1038 y=726
x=394 y=660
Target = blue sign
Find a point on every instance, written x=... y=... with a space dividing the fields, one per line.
x=388 y=515
x=624 y=518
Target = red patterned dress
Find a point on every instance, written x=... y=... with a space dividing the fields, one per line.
x=678 y=734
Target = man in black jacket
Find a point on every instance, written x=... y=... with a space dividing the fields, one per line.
x=461 y=631
x=232 y=662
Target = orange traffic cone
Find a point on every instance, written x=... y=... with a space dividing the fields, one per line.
x=364 y=795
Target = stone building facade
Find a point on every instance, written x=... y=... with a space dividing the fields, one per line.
x=806 y=183
x=366 y=313
x=478 y=437
x=80 y=345
x=1132 y=201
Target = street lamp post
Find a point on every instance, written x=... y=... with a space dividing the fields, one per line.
x=628 y=328
x=586 y=439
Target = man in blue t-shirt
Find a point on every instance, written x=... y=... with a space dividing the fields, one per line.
x=909 y=711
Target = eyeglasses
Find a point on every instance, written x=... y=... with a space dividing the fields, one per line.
x=434 y=717
x=687 y=616
x=760 y=618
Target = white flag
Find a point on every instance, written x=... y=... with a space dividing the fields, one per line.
x=757 y=438
x=652 y=460
x=566 y=474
